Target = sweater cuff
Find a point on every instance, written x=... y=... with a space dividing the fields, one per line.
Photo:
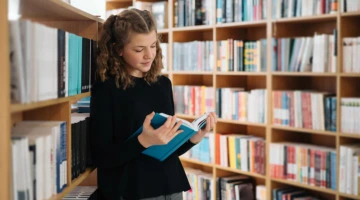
x=134 y=143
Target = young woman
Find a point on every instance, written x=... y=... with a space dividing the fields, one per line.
x=129 y=90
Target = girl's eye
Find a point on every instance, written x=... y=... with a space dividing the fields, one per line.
x=138 y=50
x=153 y=46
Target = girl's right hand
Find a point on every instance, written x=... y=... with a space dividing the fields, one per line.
x=161 y=135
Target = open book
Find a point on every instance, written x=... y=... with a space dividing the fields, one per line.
x=161 y=152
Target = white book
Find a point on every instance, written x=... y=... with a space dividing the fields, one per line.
x=47 y=76
x=307 y=54
x=55 y=170
x=43 y=155
x=58 y=131
x=347 y=54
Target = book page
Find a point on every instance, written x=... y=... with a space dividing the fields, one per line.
x=184 y=122
x=200 y=121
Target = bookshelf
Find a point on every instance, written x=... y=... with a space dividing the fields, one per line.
x=56 y=14
x=4 y=107
x=340 y=83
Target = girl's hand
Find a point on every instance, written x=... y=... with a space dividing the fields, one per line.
x=210 y=123
x=161 y=135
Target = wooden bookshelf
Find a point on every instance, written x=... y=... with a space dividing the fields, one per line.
x=4 y=105
x=16 y=108
x=339 y=83
x=56 y=14
x=73 y=184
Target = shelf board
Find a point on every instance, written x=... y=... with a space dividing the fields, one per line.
x=165 y=73
x=241 y=73
x=325 y=74
x=190 y=160
x=190 y=73
x=73 y=184
x=240 y=171
x=314 y=18
x=163 y=31
x=349 y=196
x=193 y=28
x=241 y=123
x=15 y=108
x=350 y=135
x=242 y=24
x=302 y=185
x=351 y=14
x=55 y=10
x=350 y=75
x=293 y=129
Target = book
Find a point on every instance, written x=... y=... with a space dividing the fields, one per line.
x=161 y=152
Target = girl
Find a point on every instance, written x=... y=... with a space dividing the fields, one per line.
x=128 y=93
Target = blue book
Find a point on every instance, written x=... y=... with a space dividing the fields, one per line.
x=161 y=152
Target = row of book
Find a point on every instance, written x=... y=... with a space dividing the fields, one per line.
x=201 y=184
x=193 y=56
x=304 y=109
x=202 y=151
x=350 y=115
x=291 y=193
x=305 y=163
x=193 y=100
x=350 y=5
x=349 y=169
x=240 y=10
x=159 y=10
x=305 y=54
x=351 y=54
x=233 y=187
x=193 y=12
x=300 y=8
x=245 y=106
x=243 y=152
x=82 y=192
x=80 y=144
x=48 y=63
x=239 y=55
x=39 y=159
x=39 y=155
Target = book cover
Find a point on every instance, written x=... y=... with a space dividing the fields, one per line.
x=161 y=152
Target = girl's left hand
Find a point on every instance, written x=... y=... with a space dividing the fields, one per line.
x=210 y=123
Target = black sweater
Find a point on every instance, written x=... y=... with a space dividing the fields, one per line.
x=122 y=169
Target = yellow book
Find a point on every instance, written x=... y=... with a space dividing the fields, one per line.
x=231 y=151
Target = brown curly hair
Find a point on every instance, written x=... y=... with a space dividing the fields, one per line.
x=115 y=34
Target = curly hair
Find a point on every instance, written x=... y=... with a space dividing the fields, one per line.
x=115 y=34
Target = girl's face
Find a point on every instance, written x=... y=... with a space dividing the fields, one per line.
x=139 y=53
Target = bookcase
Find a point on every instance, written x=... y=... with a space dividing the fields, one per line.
x=339 y=83
x=56 y=14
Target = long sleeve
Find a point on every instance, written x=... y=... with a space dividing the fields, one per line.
x=106 y=151
x=122 y=169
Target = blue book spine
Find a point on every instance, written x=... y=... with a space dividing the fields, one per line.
x=63 y=164
x=333 y=170
x=59 y=157
x=328 y=113
x=333 y=114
